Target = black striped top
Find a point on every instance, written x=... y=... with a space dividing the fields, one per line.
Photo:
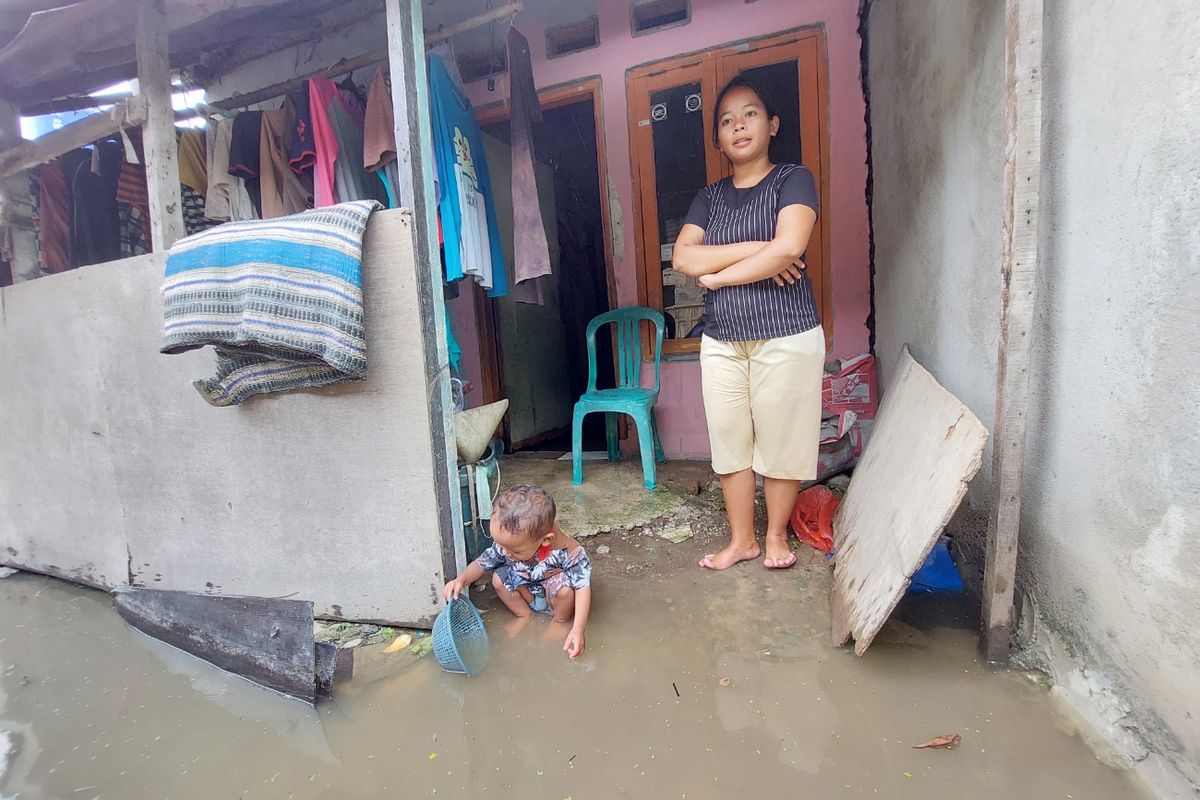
x=729 y=215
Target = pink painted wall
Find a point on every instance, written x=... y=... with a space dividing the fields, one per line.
x=713 y=23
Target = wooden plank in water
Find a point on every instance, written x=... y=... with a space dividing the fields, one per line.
x=265 y=640
x=334 y=665
x=925 y=448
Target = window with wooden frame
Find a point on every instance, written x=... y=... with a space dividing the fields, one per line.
x=673 y=158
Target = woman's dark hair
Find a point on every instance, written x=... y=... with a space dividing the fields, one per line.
x=744 y=81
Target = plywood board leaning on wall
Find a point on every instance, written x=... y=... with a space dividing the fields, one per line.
x=924 y=450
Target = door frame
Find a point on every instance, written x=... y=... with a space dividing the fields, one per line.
x=640 y=80
x=563 y=94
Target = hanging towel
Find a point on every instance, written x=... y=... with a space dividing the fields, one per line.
x=280 y=300
x=531 y=253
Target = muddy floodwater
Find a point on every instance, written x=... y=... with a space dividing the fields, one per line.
x=693 y=685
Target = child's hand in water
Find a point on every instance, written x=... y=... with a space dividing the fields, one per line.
x=574 y=644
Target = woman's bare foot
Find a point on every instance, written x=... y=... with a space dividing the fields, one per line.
x=731 y=554
x=779 y=554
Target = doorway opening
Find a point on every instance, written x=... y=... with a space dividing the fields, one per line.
x=537 y=356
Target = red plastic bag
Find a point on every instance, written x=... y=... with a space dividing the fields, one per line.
x=812 y=517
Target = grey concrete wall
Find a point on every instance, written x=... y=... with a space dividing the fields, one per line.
x=113 y=470
x=937 y=127
x=1110 y=560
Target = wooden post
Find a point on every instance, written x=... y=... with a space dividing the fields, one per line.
x=414 y=154
x=1022 y=174
x=158 y=133
x=18 y=244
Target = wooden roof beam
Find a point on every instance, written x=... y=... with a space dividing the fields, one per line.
x=364 y=60
x=126 y=114
x=46 y=47
x=198 y=39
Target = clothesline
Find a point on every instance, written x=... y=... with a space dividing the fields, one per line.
x=94 y=127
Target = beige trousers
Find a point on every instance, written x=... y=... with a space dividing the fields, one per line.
x=763 y=403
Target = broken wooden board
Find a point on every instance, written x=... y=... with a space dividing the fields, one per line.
x=264 y=640
x=925 y=448
x=334 y=665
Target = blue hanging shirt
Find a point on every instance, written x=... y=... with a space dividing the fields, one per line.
x=468 y=213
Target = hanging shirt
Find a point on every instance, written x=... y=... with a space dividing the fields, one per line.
x=302 y=153
x=245 y=160
x=193 y=167
x=379 y=125
x=468 y=214
x=283 y=191
x=132 y=195
x=227 y=198
x=728 y=214
x=379 y=136
x=54 y=217
x=351 y=179
x=95 y=224
x=194 y=220
x=320 y=92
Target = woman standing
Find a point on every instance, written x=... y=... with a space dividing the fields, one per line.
x=762 y=351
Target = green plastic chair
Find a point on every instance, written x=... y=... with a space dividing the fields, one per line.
x=627 y=397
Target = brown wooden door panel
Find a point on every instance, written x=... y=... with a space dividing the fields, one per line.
x=659 y=103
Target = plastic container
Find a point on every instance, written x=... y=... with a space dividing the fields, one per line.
x=460 y=642
x=476 y=529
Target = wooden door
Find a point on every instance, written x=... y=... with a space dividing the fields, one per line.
x=672 y=137
x=673 y=157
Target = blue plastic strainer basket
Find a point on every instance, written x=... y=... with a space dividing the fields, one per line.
x=460 y=642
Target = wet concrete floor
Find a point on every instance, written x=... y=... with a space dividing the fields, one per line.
x=94 y=709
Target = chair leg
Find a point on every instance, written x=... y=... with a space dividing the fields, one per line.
x=659 y=455
x=612 y=434
x=646 y=446
x=577 y=446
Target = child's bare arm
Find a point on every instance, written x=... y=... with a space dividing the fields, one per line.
x=472 y=573
x=575 y=639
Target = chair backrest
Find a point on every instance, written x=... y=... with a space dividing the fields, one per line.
x=629 y=343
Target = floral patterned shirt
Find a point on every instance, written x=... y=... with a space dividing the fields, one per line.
x=575 y=567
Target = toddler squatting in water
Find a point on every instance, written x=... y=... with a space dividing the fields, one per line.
x=537 y=567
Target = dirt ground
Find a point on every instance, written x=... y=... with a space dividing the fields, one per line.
x=693 y=685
